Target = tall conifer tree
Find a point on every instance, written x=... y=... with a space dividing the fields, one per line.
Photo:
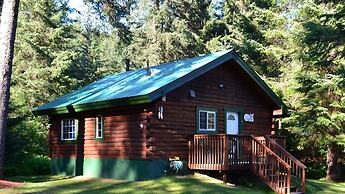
x=7 y=36
x=320 y=114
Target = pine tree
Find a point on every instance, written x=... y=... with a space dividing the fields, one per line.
x=49 y=57
x=53 y=56
x=119 y=14
x=170 y=31
x=102 y=53
x=258 y=30
x=7 y=37
x=320 y=115
x=159 y=31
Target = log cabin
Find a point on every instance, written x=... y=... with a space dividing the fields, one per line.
x=213 y=112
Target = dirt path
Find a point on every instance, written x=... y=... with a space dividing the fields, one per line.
x=7 y=184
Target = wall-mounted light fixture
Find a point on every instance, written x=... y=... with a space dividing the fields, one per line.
x=221 y=86
x=164 y=98
x=192 y=93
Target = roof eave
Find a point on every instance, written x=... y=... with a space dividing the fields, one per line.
x=94 y=105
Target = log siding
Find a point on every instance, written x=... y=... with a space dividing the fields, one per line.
x=170 y=136
x=124 y=135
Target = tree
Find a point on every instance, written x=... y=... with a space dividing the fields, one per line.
x=156 y=31
x=7 y=36
x=54 y=55
x=258 y=30
x=1 y=2
x=319 y=117
x=167 y=32
x=119 y=15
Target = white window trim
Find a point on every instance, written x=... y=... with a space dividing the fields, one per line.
x=102 y=127
x=215 y=120
x=75 y=130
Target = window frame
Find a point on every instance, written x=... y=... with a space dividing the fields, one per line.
x=99 y=139
x=76 y=127
x=207 y=110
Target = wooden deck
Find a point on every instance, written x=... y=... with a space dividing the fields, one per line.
x=264 y=156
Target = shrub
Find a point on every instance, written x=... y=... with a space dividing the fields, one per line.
x=315 y=170
x=35 y=165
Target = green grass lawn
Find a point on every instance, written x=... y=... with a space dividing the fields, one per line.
x=186 y=184
x=323 y=186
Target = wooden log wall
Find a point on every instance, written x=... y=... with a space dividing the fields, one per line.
x=124 y=134
x=169 y=137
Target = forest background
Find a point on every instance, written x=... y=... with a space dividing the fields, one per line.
x=297 y=46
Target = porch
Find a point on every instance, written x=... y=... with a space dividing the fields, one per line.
x=265 y=156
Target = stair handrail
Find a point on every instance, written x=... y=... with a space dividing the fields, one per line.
x=269 y=150
x=299 y=163
x=280 y=160
x=289 y=156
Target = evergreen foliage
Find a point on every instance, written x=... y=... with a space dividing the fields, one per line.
x=168 y=32
x=53 y=56
x=319 y=116
x=297 y=46
x=257 y=29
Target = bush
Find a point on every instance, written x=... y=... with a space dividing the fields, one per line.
x=35 y=165
x=315 y=170
x=27 y=147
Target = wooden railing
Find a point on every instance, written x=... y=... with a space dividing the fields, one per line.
x=240 y=147
x=281 y=140
x=220 y=152
x=273 y=170
x=261 y=139
x=209 y=152
x=267 y=159
x=297 y=168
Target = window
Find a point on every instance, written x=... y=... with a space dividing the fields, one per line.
x=231 y=117
x=69 y=128
x=99 y=128
x=207 y=120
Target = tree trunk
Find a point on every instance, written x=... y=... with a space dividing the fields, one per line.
x=8 y=27
x=157 y=4
x=333 y=167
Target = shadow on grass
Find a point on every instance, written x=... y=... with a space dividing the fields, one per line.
x=242 y=178
x=324 y=186
x=185 y=184
x=188 y=184
x=37 y=179
x=253 y=182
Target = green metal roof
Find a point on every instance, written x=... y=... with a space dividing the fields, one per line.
x=135 y=87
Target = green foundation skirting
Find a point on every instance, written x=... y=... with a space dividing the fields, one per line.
x=110 y=168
